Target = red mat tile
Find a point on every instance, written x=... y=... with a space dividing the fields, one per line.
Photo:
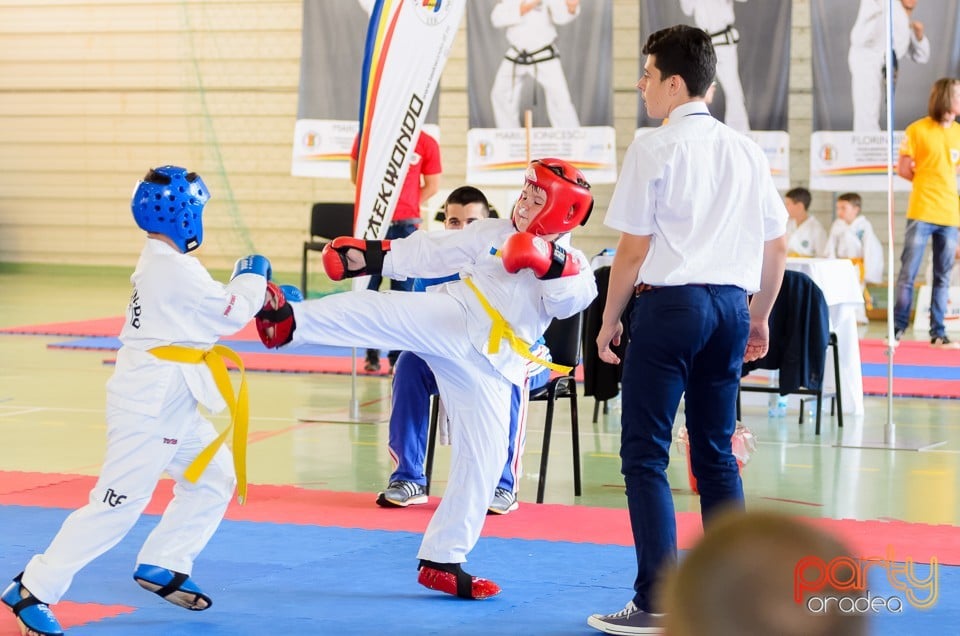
x=551 y=522
x=908 y=352
x=98 y=327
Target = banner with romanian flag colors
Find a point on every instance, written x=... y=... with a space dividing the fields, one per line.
x=408 y=42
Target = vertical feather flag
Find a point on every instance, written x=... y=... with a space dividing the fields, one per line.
x=408 y=42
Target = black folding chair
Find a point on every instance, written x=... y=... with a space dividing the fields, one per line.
x=327 y=222
x=799 y=337
x=563 y=339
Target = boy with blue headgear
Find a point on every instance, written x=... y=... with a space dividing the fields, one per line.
x=168 y=363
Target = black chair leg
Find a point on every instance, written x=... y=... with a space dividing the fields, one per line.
x=547 y=429
x=819 y=410
x=432 y=439
x=303 y=273
x=836 y=378
x=575 y=432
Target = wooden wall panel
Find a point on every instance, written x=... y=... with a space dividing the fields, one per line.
x=93 y=92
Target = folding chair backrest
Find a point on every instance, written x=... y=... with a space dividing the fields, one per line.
x=563 y=339
x=330 y=220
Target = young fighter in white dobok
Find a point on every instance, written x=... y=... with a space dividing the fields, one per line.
x=175 y=316
x=474 y=334
x=531 y=32
x=716 y=17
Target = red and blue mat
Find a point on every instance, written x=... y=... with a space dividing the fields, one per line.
x=299 y=561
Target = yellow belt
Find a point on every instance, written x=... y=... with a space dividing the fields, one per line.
x=501 y=330
x=239 y=408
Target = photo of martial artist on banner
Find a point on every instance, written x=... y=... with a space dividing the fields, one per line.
x=849 y=145
x=752 y=42
x=751 y=39
x=331 y=65
x=539 y=80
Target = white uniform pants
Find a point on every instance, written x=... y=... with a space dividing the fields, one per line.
x=507 y=88
x=866 y=84
x=139 y=450
x=728 y=74
x=476 y=396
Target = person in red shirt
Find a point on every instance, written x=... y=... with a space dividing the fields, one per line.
x=422 y=182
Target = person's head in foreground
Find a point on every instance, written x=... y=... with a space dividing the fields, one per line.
x=745 y=574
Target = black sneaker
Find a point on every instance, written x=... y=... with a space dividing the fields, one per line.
x=943 y=342
x=629 y=620
x=898 y=334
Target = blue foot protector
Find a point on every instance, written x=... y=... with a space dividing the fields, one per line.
x=31 y=611
x=175 y=587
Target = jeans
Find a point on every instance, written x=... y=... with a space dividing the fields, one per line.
x=683 y=340
x=914 y=243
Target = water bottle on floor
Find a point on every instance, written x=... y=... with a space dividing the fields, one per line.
x=777 y=405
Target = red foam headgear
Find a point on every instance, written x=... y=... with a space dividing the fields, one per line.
x=569 y=201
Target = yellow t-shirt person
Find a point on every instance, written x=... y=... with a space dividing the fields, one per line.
x=936 y=153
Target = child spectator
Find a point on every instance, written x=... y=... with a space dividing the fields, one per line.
x=805 y=234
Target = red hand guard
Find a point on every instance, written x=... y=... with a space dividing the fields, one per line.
x=335 y=260
x=547 y=260
x=275 y=322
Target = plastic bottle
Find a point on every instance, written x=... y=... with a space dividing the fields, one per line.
x=777 y=405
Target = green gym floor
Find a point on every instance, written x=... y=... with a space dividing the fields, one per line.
x=52 y=420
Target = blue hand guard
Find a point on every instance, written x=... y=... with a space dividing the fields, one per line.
x=253 y=264
x=291 y=293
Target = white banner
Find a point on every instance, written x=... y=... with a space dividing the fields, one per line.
x=407 y=47
x=498 y=156
x=847 y=161
x=775 y=144
x=321 y=148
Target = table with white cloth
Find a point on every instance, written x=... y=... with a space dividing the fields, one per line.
x=839 y=281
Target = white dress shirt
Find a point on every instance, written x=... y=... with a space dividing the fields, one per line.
x=704 y=193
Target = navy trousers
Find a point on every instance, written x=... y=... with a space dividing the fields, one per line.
x=685 y=341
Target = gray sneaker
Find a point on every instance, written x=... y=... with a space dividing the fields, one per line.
x=504 y=501
x=629 y=620
x=400 y=494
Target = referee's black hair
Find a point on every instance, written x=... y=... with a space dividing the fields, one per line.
x=685 y=51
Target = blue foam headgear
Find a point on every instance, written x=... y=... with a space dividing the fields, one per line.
x=169 y=201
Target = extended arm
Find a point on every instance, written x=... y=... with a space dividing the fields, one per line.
x=771 y=276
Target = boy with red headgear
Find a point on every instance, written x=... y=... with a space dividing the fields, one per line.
x=474 y=334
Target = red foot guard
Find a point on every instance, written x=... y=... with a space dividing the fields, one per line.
x=451 y=579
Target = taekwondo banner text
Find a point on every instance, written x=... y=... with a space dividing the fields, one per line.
x=329 y=101
x=556 y=61
x=752 y=42
x=408 y=42
x=849 y=146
